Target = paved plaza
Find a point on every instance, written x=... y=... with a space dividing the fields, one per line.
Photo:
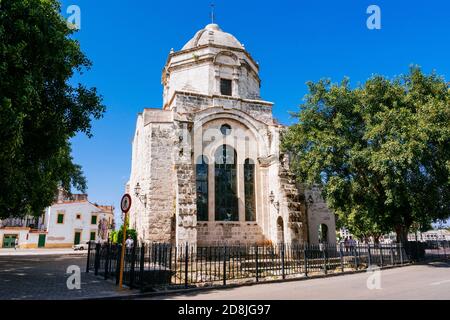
x=44 y=277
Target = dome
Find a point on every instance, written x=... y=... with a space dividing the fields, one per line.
x=213 y=34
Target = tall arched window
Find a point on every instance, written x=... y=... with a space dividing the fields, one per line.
x=226 y=198
x=202 y=188
x=323 y=233
x=249 y=186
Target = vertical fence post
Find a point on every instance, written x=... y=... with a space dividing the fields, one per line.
x=256 y=263
x=88 y=257
x=97 y=258
x=283 y=273
x=341 y=257
x=107 y=261
x=141 y=267
x=369 y=257
x=381 y=255
x=224 y=265
x=305 y=260
x=186 y=264
x=119 y=250
x=355 y=257
x=132 y=267
x=392 y=255
x=445 y=250
x=401 y=254
x=324 y=255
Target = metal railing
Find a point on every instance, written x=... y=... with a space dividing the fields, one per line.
x=171 y=266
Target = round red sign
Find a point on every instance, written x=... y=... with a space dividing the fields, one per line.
x=125 y=204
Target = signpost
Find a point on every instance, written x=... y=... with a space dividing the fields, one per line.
x=125 y=205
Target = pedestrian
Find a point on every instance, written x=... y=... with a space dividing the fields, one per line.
x=351 y=243
x=346 y=244
x=129 y=243
x=16 y=244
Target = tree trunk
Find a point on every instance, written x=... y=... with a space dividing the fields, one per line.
x=402 y=234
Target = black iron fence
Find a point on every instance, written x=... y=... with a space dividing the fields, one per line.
x=165 y=265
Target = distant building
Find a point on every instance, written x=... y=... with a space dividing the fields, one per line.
x=69 y=221
x=432 y=235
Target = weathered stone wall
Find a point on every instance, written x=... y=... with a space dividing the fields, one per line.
x=161 y=195
x=186 y=204
x=189 y=103
x=296 y=218
x=231 y=233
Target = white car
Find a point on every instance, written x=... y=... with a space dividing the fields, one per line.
x=83 y=246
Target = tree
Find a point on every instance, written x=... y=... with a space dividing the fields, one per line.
x=130 y=232
x=39 y=110
x=381 y=151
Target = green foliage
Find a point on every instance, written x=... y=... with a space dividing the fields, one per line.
x=381 y=152
x=39 y=110
x=130 y=232
x=113 y=236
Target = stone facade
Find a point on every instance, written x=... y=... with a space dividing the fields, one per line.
x=212 y=112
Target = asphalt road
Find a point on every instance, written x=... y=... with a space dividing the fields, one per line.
x=419 y=282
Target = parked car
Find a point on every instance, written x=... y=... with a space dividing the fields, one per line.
x=83 y=246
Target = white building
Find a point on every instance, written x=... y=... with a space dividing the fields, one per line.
x=207 y=167
x=67 y=222
x=432 y=235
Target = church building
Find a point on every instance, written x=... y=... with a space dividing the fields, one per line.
x=207 y=167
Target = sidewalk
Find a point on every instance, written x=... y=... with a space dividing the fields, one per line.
x=40 y=252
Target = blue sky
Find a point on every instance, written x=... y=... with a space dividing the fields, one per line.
x=294 y=42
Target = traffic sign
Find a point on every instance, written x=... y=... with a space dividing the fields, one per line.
x=125 y=204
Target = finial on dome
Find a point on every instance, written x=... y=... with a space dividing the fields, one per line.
x=212 y=12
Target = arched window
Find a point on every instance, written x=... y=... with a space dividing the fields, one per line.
x=226 y=199
x=202 y=188
x=323 y=233
x=249 y=186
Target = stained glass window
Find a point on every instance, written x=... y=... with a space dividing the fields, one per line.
x=226 y=184
x=202 y=189
x=249 y=186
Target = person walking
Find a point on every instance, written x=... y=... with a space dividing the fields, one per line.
x=129 y=243
x=346 y=244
